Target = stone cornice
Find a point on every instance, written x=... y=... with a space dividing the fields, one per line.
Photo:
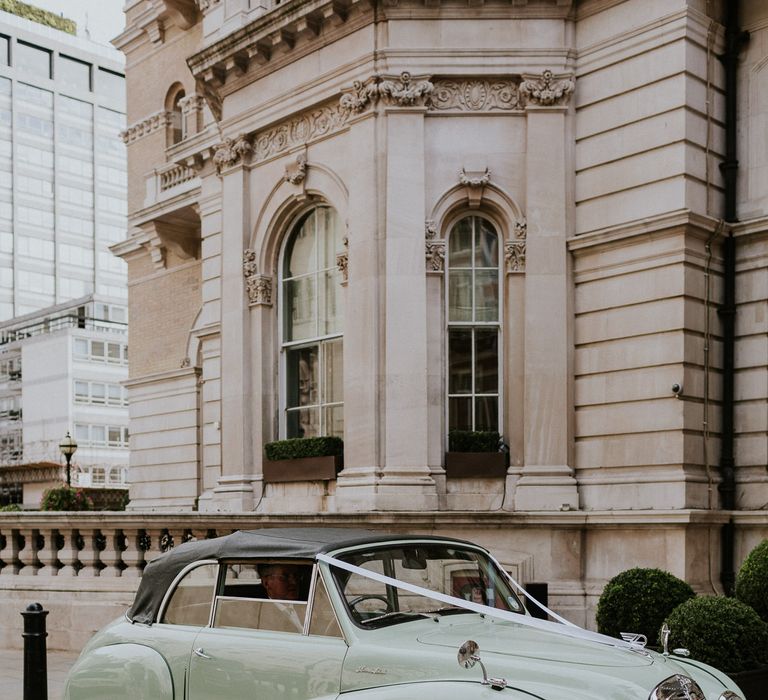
x=146 y=126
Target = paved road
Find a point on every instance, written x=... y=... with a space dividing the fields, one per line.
x=12 y=673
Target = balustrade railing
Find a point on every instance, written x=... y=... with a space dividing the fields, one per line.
x=175 y=175
x=98 y=544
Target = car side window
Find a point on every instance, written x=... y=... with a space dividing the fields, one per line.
x=269 y=595
x=323 y=621
x=190 y=602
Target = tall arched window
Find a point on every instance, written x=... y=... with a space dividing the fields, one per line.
x=312 y=327
x=176 y=126
x=473 y=325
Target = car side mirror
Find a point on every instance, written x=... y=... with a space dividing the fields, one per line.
x=467 y=655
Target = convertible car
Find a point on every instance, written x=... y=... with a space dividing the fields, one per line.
x=330 y=613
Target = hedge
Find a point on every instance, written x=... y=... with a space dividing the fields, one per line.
x=297 y=448
x=473 y=441
x=49 y=19
x=752 y=580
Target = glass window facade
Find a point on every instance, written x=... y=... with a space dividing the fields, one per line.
x=74 y=73
x=473 y=325
x=33 y=60
x=312 y=327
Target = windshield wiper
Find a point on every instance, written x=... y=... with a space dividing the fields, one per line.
x=395 y=613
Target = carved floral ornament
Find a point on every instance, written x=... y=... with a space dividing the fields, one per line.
x=258 y=287
x=342 y=262
x=514 y=250
x=434 y=248
x=549 y=90
x=403 y=91
x=230 y=152
x=296 y=172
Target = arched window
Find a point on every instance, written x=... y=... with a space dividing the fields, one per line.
x=176 y=126
x=312 y=326
x=473 y=325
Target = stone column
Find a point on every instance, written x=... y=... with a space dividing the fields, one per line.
x=234 y=491
x=48 y=555
x=547 y=481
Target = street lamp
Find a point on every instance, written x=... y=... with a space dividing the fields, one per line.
x=68 y=447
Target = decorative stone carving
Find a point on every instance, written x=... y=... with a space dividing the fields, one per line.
x=474 y=181
x=548 y=90
x=230 y=152
x=360 y=96
x=434 y=248
x=514 y=250
x=145 y=127
x=342 y=262
x=405 y=91
x=249 y=263
x=191 y=103
x=475 y=95
x=259 y=289
x=204 y=5
x=298 y=131
x=296 y=172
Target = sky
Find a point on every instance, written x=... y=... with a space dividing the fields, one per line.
x=104 y=18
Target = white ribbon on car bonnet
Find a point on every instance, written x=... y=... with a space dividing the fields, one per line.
x=562 y=627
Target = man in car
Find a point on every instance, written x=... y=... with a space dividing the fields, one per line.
x=282 y=581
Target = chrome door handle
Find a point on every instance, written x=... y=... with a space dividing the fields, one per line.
x=199 y=652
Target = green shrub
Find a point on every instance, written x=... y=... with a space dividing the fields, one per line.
x=296 y=448
x=722 y=632
x=66 y=498
x=752 y=580
x=50 y=19
x=638 y=600
x=10 y=508
x=473 y=441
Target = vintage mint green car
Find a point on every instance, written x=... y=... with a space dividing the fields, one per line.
x=294 y=614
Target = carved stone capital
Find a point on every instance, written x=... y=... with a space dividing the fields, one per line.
x=230 y=152
x=360 y=96
x=435 y=255
x=514 y=255
x=430 y=229
x=548 y=90
x=296 y=172
x=249 y=263
x=259 y=290
x=405 y=90
x=342 y=262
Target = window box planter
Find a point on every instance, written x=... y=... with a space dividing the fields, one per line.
x=475 y=465
x=302 y=469
x=303 y=459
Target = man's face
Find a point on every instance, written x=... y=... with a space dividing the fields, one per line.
x=282 y=581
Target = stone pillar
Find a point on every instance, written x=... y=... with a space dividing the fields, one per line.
x=48 y=555
x=547 y=481
x=234 y=491
x=392 y=472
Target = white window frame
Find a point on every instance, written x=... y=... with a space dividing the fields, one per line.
x=499 y=324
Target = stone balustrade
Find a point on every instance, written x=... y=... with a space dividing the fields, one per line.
x=175 y=175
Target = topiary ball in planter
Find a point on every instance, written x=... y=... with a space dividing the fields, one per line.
x=638 y=600
x=722 y=632
x=752 y=580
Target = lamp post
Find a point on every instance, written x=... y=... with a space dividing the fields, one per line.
x=68 y=447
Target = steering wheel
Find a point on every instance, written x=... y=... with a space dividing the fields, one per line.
x=361 y=598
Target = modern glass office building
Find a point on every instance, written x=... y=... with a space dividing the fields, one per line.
x=62 y=168
x=63 y=310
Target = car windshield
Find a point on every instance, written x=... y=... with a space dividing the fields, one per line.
x=445 y=568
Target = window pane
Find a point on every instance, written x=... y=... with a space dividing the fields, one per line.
x=300 y=253
x=332 y=318
x=460 y=295
x=111 y=85
x=330 y=234
x=190 y=603
x=486 y=361
x=459 y=362
x=334 y=372
x=487 y=242
x=460 y=244
x=114 y=351
x=4 y=44
x=97 y=348
x=460 y=413
x=32 y=59
x=74 y=73
x=299 y=309
x=486 y=413
x=304 y=422
x=486 y=295
x=334 y=421
x=302 y=377
x=323 y=620
x=98 y=434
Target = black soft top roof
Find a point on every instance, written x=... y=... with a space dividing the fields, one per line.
x=269 y=543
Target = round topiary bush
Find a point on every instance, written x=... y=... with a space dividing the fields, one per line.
x=638 y=600
x=752 y=580
x=722 y=632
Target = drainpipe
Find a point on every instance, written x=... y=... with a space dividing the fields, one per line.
x=734 y=40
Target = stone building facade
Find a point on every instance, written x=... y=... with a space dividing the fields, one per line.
x=384 y=220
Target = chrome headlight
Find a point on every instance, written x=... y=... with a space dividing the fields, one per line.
x=729 y=695
x=678 y=688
